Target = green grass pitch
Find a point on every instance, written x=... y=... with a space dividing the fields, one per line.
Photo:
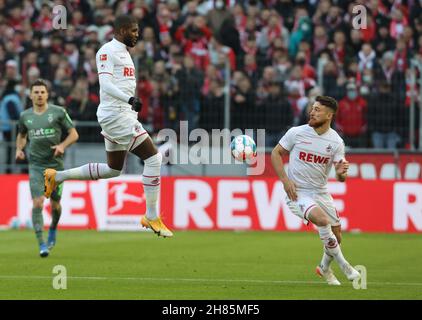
x=205 y=265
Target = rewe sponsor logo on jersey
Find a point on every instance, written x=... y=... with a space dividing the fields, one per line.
x=36 y=133
x=309 y=157
x=128 y=72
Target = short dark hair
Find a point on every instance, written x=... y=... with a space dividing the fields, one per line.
x=39 y=82
x=124 y=21
x=327 y=101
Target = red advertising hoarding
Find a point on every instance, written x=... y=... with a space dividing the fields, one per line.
x=385 y=166
x=218 y=203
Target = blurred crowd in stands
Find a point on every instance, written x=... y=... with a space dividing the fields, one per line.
x=281 y=54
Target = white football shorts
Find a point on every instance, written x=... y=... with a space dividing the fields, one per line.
x=122 y=131
x=308 y=200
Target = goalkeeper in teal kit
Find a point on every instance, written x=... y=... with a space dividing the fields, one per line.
x=43 y=125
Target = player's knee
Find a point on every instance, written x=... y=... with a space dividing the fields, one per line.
x=160 y=158
x=151 y=174
x=55 y=205
x=155 y=160
x=322 y=221
x=318 y=217
x=38 y=202
x=115 y=173
x=111 y=173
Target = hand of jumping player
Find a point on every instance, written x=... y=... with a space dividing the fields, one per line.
x=136 y=104
x=58 y=150
x=341 y=167
x=20 y=155
x=290 y=188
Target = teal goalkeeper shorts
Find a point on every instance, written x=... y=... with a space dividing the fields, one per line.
x=36 y=184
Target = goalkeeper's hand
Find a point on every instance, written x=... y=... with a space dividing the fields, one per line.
x=136 y=104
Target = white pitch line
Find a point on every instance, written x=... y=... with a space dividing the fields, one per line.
x=10 y=277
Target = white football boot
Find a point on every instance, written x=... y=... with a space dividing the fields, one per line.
x=327 y=276
x=350 y=272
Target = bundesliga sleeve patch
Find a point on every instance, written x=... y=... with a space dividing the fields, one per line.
x=103 y=57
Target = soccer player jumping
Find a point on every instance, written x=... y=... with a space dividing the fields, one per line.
x=313 y=149
x=118 y=116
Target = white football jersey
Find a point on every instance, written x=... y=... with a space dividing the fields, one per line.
x=113 y=58
x=311 y=156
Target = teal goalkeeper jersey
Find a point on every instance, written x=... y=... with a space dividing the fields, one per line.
x=44 y=131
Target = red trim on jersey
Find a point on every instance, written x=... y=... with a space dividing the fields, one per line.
x=331 y=247
x=151 y=185
x=134 y=140
x=314 y=205
x=104 y=72
x=109 y=139
x=90 y=174
x=150 y=176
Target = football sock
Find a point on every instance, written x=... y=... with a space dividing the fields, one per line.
x=331 y=245
x=56 y=213
x=90 y=171
x=38 y=223
x=151 y=181
x=326 y=261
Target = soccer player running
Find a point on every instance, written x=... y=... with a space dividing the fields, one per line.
x=118 y=116
x=314 y=148
x=43 y=124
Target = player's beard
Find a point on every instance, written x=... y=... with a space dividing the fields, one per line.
x=130 y=42
x=316 y=124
